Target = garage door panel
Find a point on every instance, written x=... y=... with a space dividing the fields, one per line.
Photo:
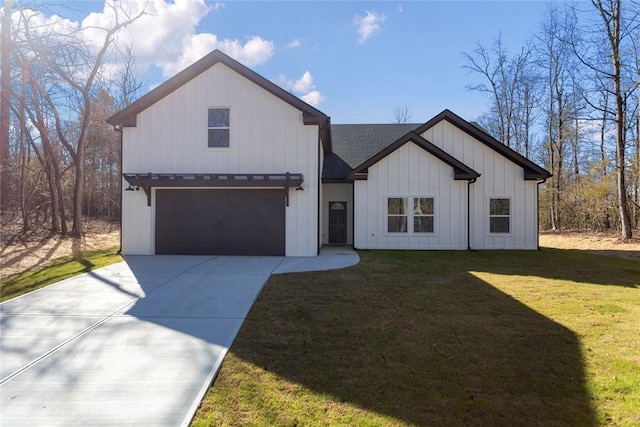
x=220 y=222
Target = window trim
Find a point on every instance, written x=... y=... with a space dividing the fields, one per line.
x=405 y=215
x=414 y=215
x=410 y=216
x=489 y=216
x=228 y=128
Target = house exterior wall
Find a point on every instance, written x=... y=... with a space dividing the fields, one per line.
x=267 y=135
x=410 y=171
x=337 y=193
x=499 y=178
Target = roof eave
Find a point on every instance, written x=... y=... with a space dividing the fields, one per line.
x=127 y=117
x=461 y=171
x=532 y=170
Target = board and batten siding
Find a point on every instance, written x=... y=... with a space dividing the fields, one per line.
x=500 y=178
x=267 y=135
x=410 y=171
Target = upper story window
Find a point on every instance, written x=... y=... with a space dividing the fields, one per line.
x=499 y=215
x=218 y=128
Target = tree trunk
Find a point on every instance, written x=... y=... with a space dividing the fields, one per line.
x=26 y=225
x=623 y=205
x=5 y=104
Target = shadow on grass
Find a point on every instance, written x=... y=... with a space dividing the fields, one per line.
x=415 y=336
x=561 y=264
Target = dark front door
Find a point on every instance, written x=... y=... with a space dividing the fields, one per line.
x=337 y=222
x=220 y=222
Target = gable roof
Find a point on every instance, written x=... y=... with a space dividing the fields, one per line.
x=352 y=144
x=357 y=143
x=127 y=117
x=460 y=170
x=531 y=170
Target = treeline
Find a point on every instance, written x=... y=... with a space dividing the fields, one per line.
x=569 y=100
x=60 y=160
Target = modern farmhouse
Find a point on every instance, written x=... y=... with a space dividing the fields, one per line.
x=219 y=160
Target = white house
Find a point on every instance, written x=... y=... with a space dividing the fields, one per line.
x=219 y=160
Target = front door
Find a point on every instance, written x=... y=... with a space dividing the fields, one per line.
x=337 y=222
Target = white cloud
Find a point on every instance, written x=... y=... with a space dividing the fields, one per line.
x=254 y=52
x=313 y=98
x=368 y=25
x=303 y=84
x=294 y=43
x=164 y=36
x=303 y=87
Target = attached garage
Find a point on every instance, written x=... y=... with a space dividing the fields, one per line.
x=218 y=214
x=220 y=222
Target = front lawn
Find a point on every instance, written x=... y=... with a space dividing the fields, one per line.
x=59 y=269
x=439 y=338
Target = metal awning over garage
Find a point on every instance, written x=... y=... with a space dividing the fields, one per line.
x=146 y=181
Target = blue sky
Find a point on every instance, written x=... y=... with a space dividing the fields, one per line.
x=356 y=61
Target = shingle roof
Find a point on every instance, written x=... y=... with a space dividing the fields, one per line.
x=354 y=144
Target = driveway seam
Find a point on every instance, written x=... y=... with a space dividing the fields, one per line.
x=112 y=315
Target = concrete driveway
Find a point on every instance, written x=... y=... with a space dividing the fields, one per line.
x=135 y=343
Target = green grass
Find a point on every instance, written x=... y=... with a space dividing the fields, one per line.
x=59 y=269
x=495 y=338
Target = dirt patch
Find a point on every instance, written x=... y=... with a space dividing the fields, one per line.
x=597 y=243
x=35 y=250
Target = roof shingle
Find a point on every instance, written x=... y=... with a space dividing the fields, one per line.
x=353 y=144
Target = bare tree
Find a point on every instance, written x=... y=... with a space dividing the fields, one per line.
x=76 y=66
x=554 y=57
x=504 y=77
x=5 y=90
x=616 y=33
x=401 y=114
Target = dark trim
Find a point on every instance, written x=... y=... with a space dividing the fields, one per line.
x=359 y=176
x=531 y=170
x=542 y=181
x=147 y=181
x=344 y=180
x=127 y=117
x=353 y=215
x=319 y=201
x=213 y=179
x=460 y=170
x=121 y=195
x=471 y=181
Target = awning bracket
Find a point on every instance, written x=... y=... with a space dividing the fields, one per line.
x=147 y=181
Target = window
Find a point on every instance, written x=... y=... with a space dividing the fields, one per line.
x=499 y=215
x=218 y=127
x=420 y=218
x=423 y=215
x=397 y=214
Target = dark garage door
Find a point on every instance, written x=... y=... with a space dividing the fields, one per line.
x=220 y=222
